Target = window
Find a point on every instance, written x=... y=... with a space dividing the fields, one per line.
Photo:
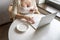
x=56 y=1
x=54 y=4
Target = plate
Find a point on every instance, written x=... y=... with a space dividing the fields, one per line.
x=22 y=27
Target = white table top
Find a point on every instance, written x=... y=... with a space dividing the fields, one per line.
x=48 y=32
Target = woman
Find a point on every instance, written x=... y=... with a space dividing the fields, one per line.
x=21 y=7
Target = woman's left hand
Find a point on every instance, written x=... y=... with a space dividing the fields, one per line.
x=36 y=12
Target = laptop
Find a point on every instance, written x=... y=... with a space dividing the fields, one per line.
x=41 y=20
x=47 y=19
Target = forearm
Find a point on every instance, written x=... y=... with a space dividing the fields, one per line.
x=20 y=16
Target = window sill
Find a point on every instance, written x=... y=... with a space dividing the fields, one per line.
x=45 y=9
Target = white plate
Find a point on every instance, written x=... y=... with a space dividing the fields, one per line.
x=22 y=27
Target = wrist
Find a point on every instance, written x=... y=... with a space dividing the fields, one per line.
x=24 y=16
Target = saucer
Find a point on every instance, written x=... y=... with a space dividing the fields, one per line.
x=22 y=27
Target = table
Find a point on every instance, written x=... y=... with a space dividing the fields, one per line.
x=48 y=32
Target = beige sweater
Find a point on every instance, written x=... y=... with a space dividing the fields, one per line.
x=17 y=8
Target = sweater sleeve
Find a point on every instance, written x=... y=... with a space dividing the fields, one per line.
x=14 y=10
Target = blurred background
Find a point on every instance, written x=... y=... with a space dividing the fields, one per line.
x=4 y=15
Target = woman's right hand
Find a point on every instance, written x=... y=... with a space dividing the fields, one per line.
x=29 y=19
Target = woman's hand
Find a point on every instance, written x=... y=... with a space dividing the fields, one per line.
x=29 y=19
x=37 y=12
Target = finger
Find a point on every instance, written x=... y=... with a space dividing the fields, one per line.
x=29 y=22
x=31 y=19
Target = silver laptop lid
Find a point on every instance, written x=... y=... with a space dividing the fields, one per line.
x=47 y=19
